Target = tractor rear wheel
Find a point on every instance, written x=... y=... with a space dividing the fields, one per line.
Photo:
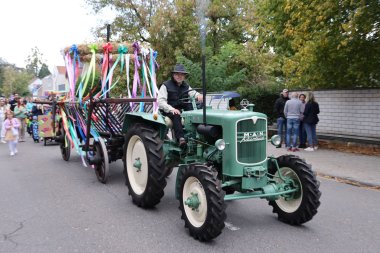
x=303 y=204
x=201 y=201
x=144 y=165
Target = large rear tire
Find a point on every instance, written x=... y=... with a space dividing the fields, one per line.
x=303 y=204
x=144 y=165
x=201 y=201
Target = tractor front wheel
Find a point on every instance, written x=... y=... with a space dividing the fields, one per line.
x=201 y=201
x=144 y=165
x=302 y=205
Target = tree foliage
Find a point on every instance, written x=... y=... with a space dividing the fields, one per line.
x=14 y=80
x=221 y=73
x=323 y=44
x=34 y=63
x=298 y=43
x=44 y=71
x=172 y=28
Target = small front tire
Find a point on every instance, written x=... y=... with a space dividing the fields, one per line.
x=201 y=201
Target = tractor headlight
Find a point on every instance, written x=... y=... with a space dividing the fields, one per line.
x=275 y=140
x=220 y=144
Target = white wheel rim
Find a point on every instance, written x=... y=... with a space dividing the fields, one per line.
x=196 y=217
x=291 y=205
x=138 y=179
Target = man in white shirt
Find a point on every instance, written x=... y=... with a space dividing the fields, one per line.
x=169 y=95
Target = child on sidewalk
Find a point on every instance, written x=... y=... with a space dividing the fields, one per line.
x=11 y=126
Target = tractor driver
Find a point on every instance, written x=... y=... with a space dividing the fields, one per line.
x=169 y=100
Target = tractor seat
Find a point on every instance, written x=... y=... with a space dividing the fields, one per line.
x=169 y=122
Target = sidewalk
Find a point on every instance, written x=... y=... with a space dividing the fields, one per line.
x=363 y=169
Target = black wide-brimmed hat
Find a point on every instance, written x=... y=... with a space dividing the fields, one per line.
x=179 y=68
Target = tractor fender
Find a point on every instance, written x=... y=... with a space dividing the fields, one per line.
x=155 y=120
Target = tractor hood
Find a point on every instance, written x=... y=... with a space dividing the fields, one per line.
x=245 y=135
x=220 y=117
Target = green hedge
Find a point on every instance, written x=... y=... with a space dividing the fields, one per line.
x=262 y=97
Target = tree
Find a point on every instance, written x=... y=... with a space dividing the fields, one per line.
x=323 y=44
x=34 y=61
x=44 y=71
x=220 y=71
x=15 y=80
x=172 y=28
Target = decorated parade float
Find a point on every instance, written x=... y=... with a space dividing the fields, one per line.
x=225 y=157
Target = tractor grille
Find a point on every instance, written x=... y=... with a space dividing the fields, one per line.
x=251 y=141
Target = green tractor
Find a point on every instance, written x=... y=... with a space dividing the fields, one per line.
x=225 y=159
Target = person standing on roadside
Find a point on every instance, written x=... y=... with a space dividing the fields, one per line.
x=13 y=101
x=311 y=120
x=302 y=132
x=11 y=126
x=3 y=112
x=29 y=104
x=279 y=112
x=20 y=113
x=292 y=113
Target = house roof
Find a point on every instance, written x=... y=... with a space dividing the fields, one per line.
x=61 y=70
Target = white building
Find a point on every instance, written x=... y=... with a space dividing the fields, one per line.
x=60 y=79
x=56 y=82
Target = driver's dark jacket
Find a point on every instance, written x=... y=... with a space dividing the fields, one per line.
x=174 y=92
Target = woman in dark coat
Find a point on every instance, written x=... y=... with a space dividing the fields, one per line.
x=311 y=120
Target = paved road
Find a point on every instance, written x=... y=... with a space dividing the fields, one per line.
x=362 y=168
x=49 y=205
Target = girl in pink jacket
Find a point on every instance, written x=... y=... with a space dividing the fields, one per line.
x=11 y=126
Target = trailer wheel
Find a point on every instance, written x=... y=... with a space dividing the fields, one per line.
x=102 y=168
x=201 y=201
x=65 y=147
x=302 y=205
x=144 y=165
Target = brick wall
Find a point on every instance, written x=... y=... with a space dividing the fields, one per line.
x=349 y=112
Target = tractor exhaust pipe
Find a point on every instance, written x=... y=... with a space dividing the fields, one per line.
x=201 y=7
x=204 y=87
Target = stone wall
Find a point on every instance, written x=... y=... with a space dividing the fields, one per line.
x=353 y=113
x=346 y=113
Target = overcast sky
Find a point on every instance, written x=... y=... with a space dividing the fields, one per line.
x=51 y=25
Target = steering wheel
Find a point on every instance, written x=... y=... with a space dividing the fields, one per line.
x=190 y=99
x=186 y=100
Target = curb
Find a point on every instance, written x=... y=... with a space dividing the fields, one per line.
x=350 y=181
